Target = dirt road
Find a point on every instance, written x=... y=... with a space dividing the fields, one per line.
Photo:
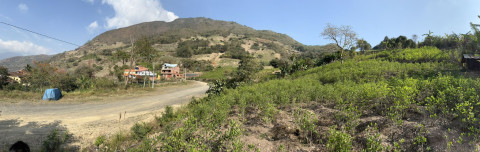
x=31 y=122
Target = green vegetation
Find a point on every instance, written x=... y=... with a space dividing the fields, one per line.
x=216 y=74
x=339 y=141
x=55 y=140
x=3 y=76
x=388 y=84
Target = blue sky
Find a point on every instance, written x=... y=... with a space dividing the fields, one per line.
x=78 y=21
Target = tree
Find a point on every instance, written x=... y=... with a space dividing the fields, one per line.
x=146 y=53
x=3 y=76
x=247 y=69
x=415 y=38
x=44 y=75
x=122 y=55
x=363 y=45
x=476 y=36
x=344 y=37
x=133 y=57
x=28 y=68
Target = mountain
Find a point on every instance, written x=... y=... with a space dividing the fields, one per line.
x=206 y=42
x=18 y=62
x=188 y=27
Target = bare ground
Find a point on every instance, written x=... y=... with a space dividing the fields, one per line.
x=31 y=122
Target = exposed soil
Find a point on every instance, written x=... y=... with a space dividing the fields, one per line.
x=282 y=134
x=31 y=122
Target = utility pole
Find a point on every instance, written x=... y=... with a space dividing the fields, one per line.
x=153 y=70
x=184 y=73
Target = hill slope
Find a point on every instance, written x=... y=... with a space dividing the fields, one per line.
x=399 y=100
x=19 y=62
x=213 y=42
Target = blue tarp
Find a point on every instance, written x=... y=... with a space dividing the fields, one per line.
x=52 y=94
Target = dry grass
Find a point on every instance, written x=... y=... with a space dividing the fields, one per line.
x=92 y=95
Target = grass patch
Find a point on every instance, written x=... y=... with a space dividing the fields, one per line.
x=216 y=73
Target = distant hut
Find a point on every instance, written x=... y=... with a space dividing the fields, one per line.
x=470 y=62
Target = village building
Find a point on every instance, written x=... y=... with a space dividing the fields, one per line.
x=170 y=71
x=139 y=72
x=470 y=62
x=17 y=76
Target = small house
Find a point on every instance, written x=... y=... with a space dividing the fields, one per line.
x=17 y=76
x=139 y=72
x=170 y=71
x=471 y=62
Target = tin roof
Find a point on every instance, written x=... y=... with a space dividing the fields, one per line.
x=170 y=65
x=471 y=56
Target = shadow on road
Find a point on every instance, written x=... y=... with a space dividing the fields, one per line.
x=32 y=133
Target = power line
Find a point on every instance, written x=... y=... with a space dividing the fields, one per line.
x=39 y=34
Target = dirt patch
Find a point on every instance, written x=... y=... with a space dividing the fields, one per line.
x=283 y=134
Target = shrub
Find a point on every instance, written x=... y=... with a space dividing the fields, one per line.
x=374 y=142
x=306 y=120
x=339 y=141
x=54 y=141
x=100 y=140
x=140 y=131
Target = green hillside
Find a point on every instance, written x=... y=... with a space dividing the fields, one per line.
x=400 y=100
x=212 y=43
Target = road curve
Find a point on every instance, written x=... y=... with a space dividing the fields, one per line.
x=30 y=122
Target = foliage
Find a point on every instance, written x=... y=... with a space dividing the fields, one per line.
x=374 y=142
x=122 y=55
x=186 y=48
x=217 y=73
x=139 y=131
x=145 y=50
x=99 y=141
x=3 y=76
x=363 y=45
x=244 y=74
x=423 y=54
x=339 y=141
x=276 y=63
x=389 y=84
x=343 y=36
x=306 y=120
x=84 y=70
x=194 y=65
x=401 y=42
x=55 y=140
x=44 y=75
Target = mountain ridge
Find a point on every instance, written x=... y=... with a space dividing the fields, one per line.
x=166 y=37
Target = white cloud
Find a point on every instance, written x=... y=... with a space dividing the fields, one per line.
x=92 y=27
x=23 y=8
x=129 y=12
x=6 y=17
x=22 y=48
x=89 y=1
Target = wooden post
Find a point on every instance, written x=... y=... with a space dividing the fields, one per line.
x=153 y=70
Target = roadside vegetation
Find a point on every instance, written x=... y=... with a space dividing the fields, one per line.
x=404 y=97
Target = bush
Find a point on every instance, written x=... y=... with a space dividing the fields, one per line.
x=339 y=141
x=15 y=86
x=54 y=141
x=100 y=140
x=104 y=83
x=140 y=131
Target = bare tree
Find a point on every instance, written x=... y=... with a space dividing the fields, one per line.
x=415 y=38
x=133 y=57
x=344 y=37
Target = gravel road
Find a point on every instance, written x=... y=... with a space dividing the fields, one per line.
x=31 y=122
